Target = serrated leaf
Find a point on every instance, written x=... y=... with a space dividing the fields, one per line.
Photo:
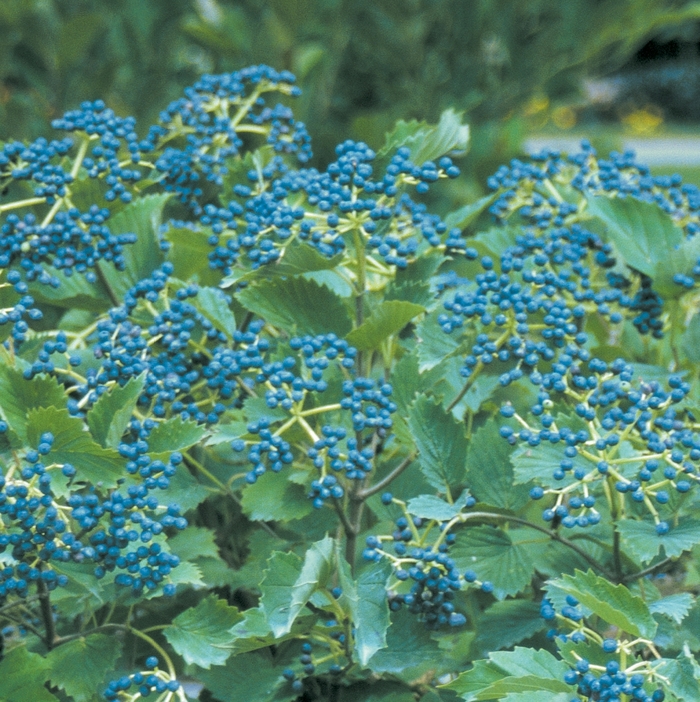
x=642 y=541
x=409 y=652
x=185 y=490
x=18 y=396
x=253 y=677
x=283 y=570
x=211 y=302
x=201 y=634
x=313 y=576
x=253 y=631
x=434 y=346
x=507 y=672
x=441 y=442
x=682 y=674
x=141 y=217
x=431 y=507
x=189 y=254
x=469 y=213
x=390 y=317
x=642 y=232
x=300 y=258
x=194 y=542
x=613 y=603
x=491 y=553
x=110 y=415
x=490 y=472
x=674 y=607
x=82 y=666
x=273 y=498
x=507 y=623
x=22 y=677
x=372 y=617
x=539 y=463
x=297 y=304
x=175 y=434
x=72 y=444
x=428 y=142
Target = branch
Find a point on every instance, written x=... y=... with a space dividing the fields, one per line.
x=552 y=535
x=652 y=568
x=47 y=614
x=378 y=487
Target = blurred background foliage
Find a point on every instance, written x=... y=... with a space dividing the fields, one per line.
x=363 y=64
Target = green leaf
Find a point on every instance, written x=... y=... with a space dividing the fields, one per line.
x=491 y=553
x=185 y=490
x=434 y=346
x=142 y=217
x=110 y=415
x=490 y=472
x=72 y=444
x=409 y=651
x=690 y=341
x=201 y=634
x=175 y=434
x=313 y=576
x=540 y=462
x=674 y=607
x=642 y=541
x=429 y=142
x=507 y=672
x=302 y=258
x=18 y=396
x=297 y=304
x=388 y=318
x=441 y=442
x=22 y=677
x=283 y=570
x=507 y=623
x=84 y=665
x=642 y=232
x=212 y=303
x=613 y=603
x=468 y=214
x=273 y=498
x=683 y=674
x=193 y=543
x=253 y=677
x=253 y=632
x=189 y=252
x=431 y=507
x=372 y=616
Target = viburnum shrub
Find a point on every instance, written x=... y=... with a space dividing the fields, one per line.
x=276 y=433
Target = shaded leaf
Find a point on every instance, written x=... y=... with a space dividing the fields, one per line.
x=274 y=498
x=84 y=665
x=109 y=416
x=390 y=317
x=491 y=553
x=441 y=442
x=201 y=634
x=22 y=677
x=642 y=541
x=297 y=304
x=613 y=603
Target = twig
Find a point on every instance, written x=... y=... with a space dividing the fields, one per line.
x=377 y=487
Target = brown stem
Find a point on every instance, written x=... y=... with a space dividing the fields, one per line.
x=46 y=614
x=387 y=479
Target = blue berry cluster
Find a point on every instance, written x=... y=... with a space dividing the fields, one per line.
x=634 y=439
x=212 y=123
x=434 y=575
x=143 y=684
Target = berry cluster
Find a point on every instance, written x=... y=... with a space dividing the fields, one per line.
x=435 y=575
x=143 y=684
x=632 y=438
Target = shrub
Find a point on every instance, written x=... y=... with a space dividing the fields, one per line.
x=287 y=434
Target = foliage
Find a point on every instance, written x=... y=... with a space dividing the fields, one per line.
x=363 y=64
x=284 y=434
